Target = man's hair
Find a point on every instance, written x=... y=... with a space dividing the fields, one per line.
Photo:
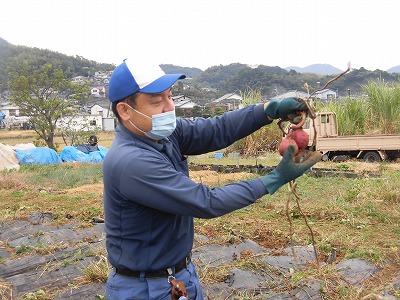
x=93 y=140
x=131 y=100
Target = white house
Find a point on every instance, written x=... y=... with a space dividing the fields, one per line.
x=292 y=94
x=326 y=94
x=185 y=104
x=9 y=109
x=101 y=76
x=81 y=122
x=98 y=91
x=227 y=102
x=78 y=79
x=97 y=110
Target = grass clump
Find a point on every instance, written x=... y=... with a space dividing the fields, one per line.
x=96 y=271
x=37 y=295
x=377 y=113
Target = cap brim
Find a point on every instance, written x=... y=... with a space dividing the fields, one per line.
x=163 y=83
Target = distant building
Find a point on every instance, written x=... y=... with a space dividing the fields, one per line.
x=98 y=91
x=97 y=110
x=227 y=102
x=291 y=94
x=10 y=110
x=80 y=122
x=326 y=94
x=185 y=104
x=79 y=79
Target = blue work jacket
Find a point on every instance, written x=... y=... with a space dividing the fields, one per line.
x=149 y=199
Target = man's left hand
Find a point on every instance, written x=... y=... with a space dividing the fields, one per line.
x=281 y=108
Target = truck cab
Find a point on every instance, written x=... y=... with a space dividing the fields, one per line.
x=325 y=124
x=371 y=148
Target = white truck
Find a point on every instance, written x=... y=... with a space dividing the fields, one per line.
x=371 y=148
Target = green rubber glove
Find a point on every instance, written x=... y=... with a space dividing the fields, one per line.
x=281 y=108
x=288 y=170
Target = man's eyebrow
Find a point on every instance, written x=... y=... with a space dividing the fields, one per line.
x=155 y=94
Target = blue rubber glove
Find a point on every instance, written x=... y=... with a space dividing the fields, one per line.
x=288 y=170
x=281 y=108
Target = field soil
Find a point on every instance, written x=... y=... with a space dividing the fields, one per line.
x=238 y=268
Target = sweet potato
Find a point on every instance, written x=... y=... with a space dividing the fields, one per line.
x=300 y=137
x=285 y=144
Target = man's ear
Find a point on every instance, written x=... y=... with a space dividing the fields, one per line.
x=122 y=110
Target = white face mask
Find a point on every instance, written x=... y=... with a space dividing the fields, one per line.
x=163 y=125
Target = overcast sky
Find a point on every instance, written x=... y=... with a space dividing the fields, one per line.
x=206 y=33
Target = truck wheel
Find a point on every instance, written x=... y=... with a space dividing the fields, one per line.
x=372 y=156
x=325 y=157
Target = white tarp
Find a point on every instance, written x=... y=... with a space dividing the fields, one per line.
x=8 y=159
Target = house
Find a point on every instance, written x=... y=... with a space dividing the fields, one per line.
x=184 y=104
x=227 y=102
x=9 y=109
x=79 y=79
x=101 y=76
x=98 y=115
x=97 y=110
x=292 y=94
x=326 y=94
x=102 y=108
x=82 y=122
x=98 y=91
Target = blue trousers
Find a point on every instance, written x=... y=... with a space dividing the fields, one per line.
x=120 y=287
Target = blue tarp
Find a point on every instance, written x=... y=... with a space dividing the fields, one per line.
x=71 y=153
x=87 y=148
x=37 y=156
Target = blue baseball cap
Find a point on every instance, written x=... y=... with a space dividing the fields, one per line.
x=129 y=78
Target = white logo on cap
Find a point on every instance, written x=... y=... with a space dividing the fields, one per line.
x=144 y=74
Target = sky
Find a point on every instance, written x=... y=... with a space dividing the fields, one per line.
x=205 y=33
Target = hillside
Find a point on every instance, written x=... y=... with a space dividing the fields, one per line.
x=77 y=65
x=235 y=77
x=275 y=80
x=6 y=51
x=189 y=72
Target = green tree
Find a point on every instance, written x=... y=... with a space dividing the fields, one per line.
x=197 y=111
x=218 y=111
x=179 y=112
x=206 y=112
x=45 y=94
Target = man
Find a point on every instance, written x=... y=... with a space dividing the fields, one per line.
x=91 y=145
x=149 y=199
